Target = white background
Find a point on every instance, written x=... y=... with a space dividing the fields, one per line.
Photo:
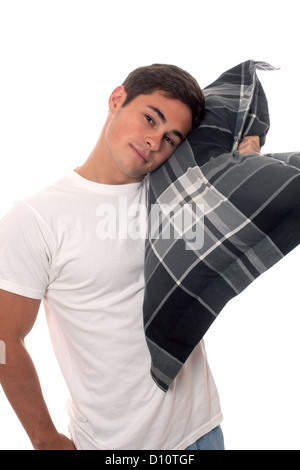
x=59 y=60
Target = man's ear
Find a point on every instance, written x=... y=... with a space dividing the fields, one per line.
x=117 y=98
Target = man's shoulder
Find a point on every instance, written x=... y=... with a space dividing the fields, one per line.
x=47 y=199
x=44 y=206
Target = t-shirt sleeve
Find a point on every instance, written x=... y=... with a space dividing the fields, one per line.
x=25 y=252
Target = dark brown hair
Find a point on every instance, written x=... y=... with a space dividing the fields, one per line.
x=174 y=82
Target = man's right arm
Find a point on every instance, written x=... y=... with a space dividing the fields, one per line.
x=18 y=376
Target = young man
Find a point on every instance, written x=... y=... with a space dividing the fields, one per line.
x=53 y=247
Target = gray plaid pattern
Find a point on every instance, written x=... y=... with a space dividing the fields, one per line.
x=250 y=220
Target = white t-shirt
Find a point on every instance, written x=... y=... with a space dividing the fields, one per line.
x=60 y=246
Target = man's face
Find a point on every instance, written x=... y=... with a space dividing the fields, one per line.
x=144 y=134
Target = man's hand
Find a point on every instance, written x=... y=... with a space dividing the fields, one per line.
x=59 y=442
x=249 y=144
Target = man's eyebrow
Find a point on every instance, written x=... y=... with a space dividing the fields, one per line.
x=158 y=112
x=163 y=119
x=178 y=134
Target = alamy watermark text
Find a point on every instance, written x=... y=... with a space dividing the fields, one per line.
x=164 y=221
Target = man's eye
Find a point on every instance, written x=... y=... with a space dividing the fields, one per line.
x=170 y=141
x=149 y=119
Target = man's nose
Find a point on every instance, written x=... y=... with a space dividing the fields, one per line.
x=153 y=142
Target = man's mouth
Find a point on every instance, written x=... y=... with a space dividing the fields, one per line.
x=139 y=154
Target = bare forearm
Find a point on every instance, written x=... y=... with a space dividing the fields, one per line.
x=21 y=385
x=249 y=144
x=18 y=376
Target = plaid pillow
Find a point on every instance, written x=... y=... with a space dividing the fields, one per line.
x=243 y=215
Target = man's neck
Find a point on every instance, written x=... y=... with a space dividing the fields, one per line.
x=100 y=166
x=94 y=169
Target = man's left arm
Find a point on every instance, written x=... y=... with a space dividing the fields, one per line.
x=249 y=144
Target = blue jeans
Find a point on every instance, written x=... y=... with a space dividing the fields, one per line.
x=214 y=440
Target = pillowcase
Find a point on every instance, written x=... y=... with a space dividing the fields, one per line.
x=217 y=220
